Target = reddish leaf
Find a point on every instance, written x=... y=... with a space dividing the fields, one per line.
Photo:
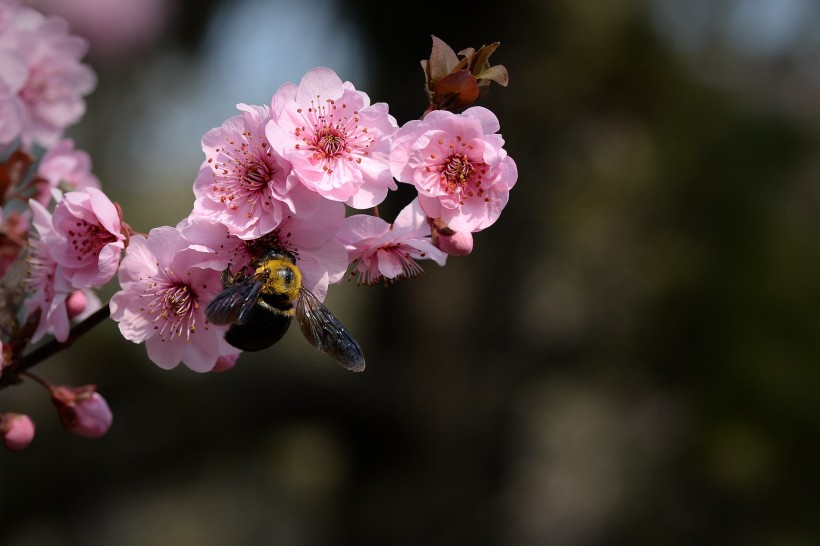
x=13 y=170
x=442 y=60
x=456 y=90
x=482 y=57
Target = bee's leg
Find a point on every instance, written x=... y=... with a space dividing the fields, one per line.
x=227 y=278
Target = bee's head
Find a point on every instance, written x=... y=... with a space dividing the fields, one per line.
x=283 y=280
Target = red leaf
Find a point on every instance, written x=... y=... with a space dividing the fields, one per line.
x=456 y=90
x=442 y=60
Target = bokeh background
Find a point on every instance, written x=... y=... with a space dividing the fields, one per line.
x=629 y=356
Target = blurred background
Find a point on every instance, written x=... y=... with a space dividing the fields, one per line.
x=629 y=356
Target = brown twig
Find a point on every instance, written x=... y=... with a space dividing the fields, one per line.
x=11 y=373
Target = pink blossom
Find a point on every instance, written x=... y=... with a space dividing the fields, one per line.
x=458 y=165
x=337 y=142
x=166 y=283
x=82 y=410
x=243 y=183
x=17 y=430
x=114 y=28
x=41 y=79
x=48 y=286
x=90 y=238
x=64 y=167
x=381 y=251
x=311 y=239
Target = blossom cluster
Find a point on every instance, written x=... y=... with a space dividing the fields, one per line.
x=60 y=235
x=304 y=174
x=283 y=175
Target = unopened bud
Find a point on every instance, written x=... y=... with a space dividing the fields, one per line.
x=82 y=410
x=76 y=303
x=17 y=430
x=460 y=243
x=225 y=362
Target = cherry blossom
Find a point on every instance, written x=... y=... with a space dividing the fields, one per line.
x=458 y=165
x=243 y=183
x=17 y=430
x=166 y=283
x=48 y=287
x=64 y=167
x=42 y=81
x=82 y=410
x=337 y=142
x=311 y=239
x=381 y=251
x=89 y=238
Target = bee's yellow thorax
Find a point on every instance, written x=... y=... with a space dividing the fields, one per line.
x=284 y=280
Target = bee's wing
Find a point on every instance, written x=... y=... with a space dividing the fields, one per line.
x=234 y=305
x=326 y=333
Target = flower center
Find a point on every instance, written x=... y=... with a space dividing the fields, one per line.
x=457 y=172
x=332 y=132
x=257 y=175
x=172 y=306
x=330 y=142
x=88 y=239
x=244 y=176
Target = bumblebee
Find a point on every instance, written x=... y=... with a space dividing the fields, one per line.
x=259 y=309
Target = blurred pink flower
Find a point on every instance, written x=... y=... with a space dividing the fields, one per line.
x=243 y=183
x=66 y=168
x=90 y=238
x=458 y=165
x=337 y=142
x=17 y=430
x=311 y=239
x=45 y=282
x=166 y=283
x=381 y=251
x=42 y=81
x=82 y=410
x=113 y=28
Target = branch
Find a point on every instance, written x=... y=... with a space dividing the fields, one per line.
x=11 y=373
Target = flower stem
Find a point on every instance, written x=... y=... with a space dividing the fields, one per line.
x=11 y=373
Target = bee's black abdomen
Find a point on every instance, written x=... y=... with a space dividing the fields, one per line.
x=266 y=326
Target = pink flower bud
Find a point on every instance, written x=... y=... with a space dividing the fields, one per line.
x=17 y=430
x=225 y=362
x=76 y=303
x=82 y=410
x=459 y=243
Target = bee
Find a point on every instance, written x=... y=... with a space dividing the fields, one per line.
x=259 y=309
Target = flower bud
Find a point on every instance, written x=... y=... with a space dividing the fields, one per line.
x=225 y=362
x=17 y=430
x=76 y=303
x=460 y=243
x=82 y=410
